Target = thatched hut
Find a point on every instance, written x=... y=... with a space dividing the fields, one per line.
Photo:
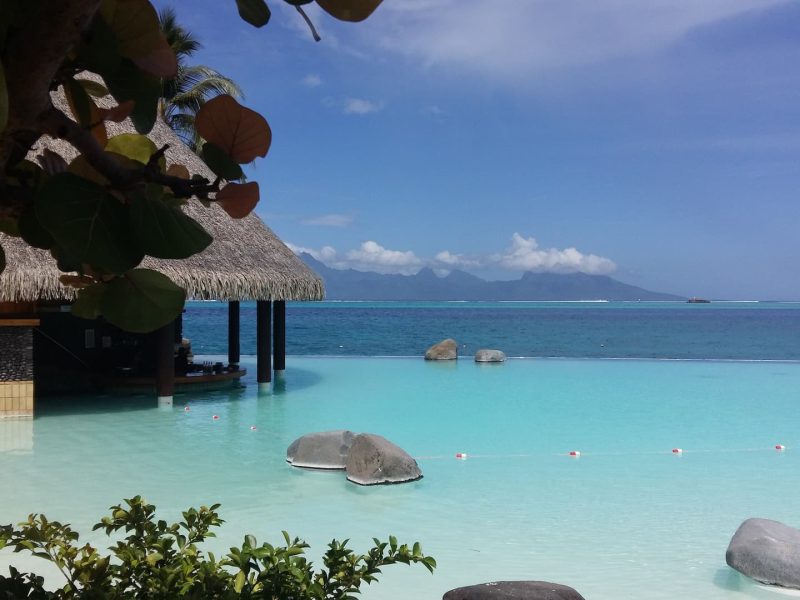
x=246 y=261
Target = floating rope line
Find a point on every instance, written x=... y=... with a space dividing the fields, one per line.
x=777 y=448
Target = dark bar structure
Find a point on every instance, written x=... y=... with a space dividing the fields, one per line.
x=263 y=341
x=165 y=362
x=279 y=335
x=234 y=347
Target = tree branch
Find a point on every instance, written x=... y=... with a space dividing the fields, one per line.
x=33 y=55
x=58 y=125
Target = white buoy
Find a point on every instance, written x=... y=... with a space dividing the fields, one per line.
x=780 y=447
x=677 y=450
x=575 y=453
x=461 y=455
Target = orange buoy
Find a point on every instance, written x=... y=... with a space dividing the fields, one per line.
x=575 y=453
x=215 y=417
x=780 y=447
x=186 y=408
x=461 y=455
x=677 y=450
x=252 y=427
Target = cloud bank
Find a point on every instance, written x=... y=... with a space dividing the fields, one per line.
x=524 y=254
x=517 y=39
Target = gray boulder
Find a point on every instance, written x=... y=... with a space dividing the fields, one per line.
x=767 y=551
x=322 y=450
x=490 y=356
x=444 y=350
x=374 y=459
x=514 y=590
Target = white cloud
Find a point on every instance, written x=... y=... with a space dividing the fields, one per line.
x=519 y=39
x=525 y=255
x=445 y=258
x=374 y=257
x=360 y=106
x=432 y=110
x=333 y=220
x=312 y=80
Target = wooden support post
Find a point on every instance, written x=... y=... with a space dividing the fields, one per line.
x=279 y=334
x=165 y=362
x=233 y=333
x=263 y=341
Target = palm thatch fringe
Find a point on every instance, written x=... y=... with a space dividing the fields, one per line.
x=246 y=261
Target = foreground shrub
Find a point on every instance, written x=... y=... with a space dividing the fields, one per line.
x=156 y=560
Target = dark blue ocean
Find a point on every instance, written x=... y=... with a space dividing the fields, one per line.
x=668 y=330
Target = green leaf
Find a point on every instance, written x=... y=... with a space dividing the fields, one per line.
x=162 y=229
x=87 y=304
x=255 y=12
x=238 y=583
x=142 y=301
x=219 y=162
x=250 y=540
x=88 y=223
x=3 y=99
x=32 y=231
x=99 y=50
x=79 y=101
x=153 y=558
x=93 y=88
x=128 y=82
x=133 y=145
x=9 y=226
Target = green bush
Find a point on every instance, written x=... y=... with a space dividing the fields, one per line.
x=156 y=560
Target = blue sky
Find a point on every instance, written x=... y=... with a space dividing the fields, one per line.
x=657 y=141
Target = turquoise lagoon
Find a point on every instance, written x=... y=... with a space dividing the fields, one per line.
x=628 y=519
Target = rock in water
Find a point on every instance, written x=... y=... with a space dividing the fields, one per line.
x=322 y=450
x=514 y=590
x=490 y=356
x=767 y=551
x=374 y=459
x=444 y=350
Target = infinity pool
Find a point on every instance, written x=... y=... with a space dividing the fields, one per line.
x=628 y=519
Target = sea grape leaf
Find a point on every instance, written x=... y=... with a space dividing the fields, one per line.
x=255 y=12
x=99 y=50
x=2 y=259
x=162 y=229
x=178 y=170
x=128 y=82
x=242 y=133
x=32 y=231
x=85 y=110
x=87 y=302
x=219 y=162
x=3 y=99
x=93 y=88
x=88 y=223
x=135 y=24
x=238 y=199
x=349 y=10
x=142 y=301
x=51 y=162
x=161 y=61
x=117 y=113
x=9 y=226
x=133 y=145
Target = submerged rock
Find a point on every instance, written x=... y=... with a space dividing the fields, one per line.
x=490 y=356
x=322 y=450
x=374 y=459
x=514 y=590
x=444 y=350
x=768 y=551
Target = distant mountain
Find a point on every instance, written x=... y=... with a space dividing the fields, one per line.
x=349 y=284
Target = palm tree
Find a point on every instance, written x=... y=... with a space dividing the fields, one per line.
x=183 y=96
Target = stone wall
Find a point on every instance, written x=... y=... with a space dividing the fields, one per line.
x=16 y=368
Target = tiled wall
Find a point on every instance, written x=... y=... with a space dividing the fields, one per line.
x=16 y=371
x=16 y=399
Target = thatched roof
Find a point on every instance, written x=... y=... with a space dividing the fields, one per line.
x=246 y=260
